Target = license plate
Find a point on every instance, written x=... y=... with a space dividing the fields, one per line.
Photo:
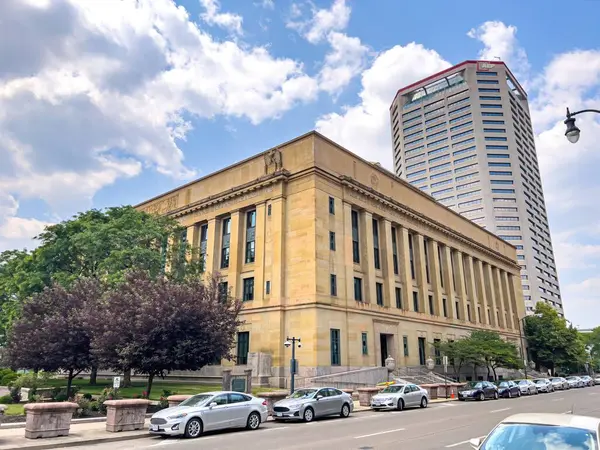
x=279 y=414
x=154 y=427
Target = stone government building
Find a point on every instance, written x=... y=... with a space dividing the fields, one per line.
x=323 y=245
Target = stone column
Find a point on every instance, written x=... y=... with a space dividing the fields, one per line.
x=248 y=376
x=471 y=288
x=419 y=250
x=500 y=298
x=490 y=293
x=212 y=246
x=387 y=260
x=192 y=237
x=367 y=257
x=226 y=379
x=436 y=278
x=278 y=241
x=481 y=292
x=405 y=274
x=259 y=253
x=508 y=300
x=461 y=287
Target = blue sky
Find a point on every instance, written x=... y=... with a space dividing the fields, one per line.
x=112 y=102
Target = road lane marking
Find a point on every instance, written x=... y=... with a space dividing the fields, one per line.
x=272 y=429
x=500 y=410
x=461 y=443
x=558 y=399
x=381 y=432
x=567 y=412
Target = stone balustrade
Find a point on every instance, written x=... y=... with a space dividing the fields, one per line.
x=272 y=398
x=175 y=400
x=44 y=420
x=125 y=415
x=365 y=394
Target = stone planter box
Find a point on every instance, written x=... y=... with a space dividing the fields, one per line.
x=125 y=415
x=272 y=398
x=432 y=390
x=175 y=400
x=46 y=420
x=349 y=392
x=452 y=390
x=365 y=394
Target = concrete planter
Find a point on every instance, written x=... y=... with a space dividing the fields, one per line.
x=125 y=415
x=175 y=400
x=46 y=420
x=432 y=390
x=365 y=394
x=272 y=398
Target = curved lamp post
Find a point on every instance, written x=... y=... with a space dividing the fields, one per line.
x=573 y=132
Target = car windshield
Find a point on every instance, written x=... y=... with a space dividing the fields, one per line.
x=473 y=385
x=303 y=393
x=521 y=436
x=196 y=400
x=572 y=378
x=393 y=389
x=539 y=381
x=503 y=384
x=556 y=380
x=523 y=382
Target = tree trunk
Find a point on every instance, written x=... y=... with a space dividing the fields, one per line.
x=149 y=385
x=69 y=383
x=93 y=375
x=495 y=376
x=127 y=378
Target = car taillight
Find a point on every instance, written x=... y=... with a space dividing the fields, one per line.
x=264 y=403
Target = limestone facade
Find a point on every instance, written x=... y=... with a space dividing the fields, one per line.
x=323 y=245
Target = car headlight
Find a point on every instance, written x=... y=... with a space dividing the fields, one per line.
x=177 y=416
x=295 y=406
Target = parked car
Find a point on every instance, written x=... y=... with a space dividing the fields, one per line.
x=597 y=380
x=508 y=389
x=478 y=390
x=528 y=387
x=575 y=382
x=308 y=404
x=588 y=381
x=400 y=396
x=546 y=431
x=544 y=385
x=560 y=383
x=208 y=412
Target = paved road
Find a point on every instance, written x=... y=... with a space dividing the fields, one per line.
x=440 y=426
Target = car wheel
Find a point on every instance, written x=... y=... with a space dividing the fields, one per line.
x=424 y=402
x=309 y=415
x=345 y=412
x=495 y=395
x=253 y=421
x=193 y=428
x=400 y=405
x=509 y=394
x=481 y=396
x=519 y=393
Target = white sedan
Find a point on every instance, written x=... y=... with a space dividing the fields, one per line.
x=208 y=412
x=542 y=431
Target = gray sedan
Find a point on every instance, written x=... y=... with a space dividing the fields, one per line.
x=400 y=396
x=307 y=404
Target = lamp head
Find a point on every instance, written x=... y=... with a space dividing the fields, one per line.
x=299 y=344
x=288 y=344
x=572 y=132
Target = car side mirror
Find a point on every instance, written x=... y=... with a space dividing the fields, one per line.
x=212 y=405
x=475 y=442
x=319 y=397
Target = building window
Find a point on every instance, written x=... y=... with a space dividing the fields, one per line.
x=223 y=290
x=243 y=347
x=226 y=224
x=334 y=336
x=398 y=298
x=469 y=312
x=332 y=240
x=267 y=287
x=416 y=301
x=333 y=284
x=426 y=250
x=479 y=313
x=395 y=251
x=456 y=304
x=248 y=294
x=445 y=306
x=358 y=289
x=436 y=351
x=365 y=347
x=250 y=234
x=379 y=293
x=355 y=241
x=203 y=243
x=411 y=255
x=422 y=351
x=376 y=244
x=331 y=205
x=268 y=210
x=431 y=309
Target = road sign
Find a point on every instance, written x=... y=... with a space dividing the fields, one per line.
x=116 y=382
x=445 y=361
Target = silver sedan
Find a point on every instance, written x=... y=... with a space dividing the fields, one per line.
x=400 y=396
x=208 y=412
x=307 y=404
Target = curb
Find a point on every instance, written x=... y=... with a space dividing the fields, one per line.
x=44 y=446
x=8 y=426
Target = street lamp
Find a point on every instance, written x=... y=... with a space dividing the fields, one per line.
x=291 y=342
x=521 y=329
x=573 y=132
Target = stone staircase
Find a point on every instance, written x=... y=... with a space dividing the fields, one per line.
x=419 y=375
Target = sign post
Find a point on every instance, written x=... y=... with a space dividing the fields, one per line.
x=445 y=362
x=116 y=384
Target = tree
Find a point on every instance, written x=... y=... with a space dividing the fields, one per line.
x=51 y=332
x=459 y=353
x=494 y=351
x=551 y=343
x=592 y=345
x=157 y=326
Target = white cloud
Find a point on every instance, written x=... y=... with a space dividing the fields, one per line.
x=364 y=128
x=322 y=22
x=345 y=60
x=500 y=41
x=267 y=4
x=228 y=21
x=16 y=232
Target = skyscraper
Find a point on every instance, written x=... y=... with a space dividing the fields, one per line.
x=464 y=136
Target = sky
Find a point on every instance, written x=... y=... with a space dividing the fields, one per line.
x=110 y=102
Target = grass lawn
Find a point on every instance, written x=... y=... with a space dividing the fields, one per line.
x=14 y=410
x=138 y=387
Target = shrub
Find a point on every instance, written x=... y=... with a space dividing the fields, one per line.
x=107 y=394
x=164 y=403
x=84 y=408
x=61 y=397
x=7 y=376
x=6 y=399
x=94 y=406
x=167 y=393
x=15 y=394
x=87 y=396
